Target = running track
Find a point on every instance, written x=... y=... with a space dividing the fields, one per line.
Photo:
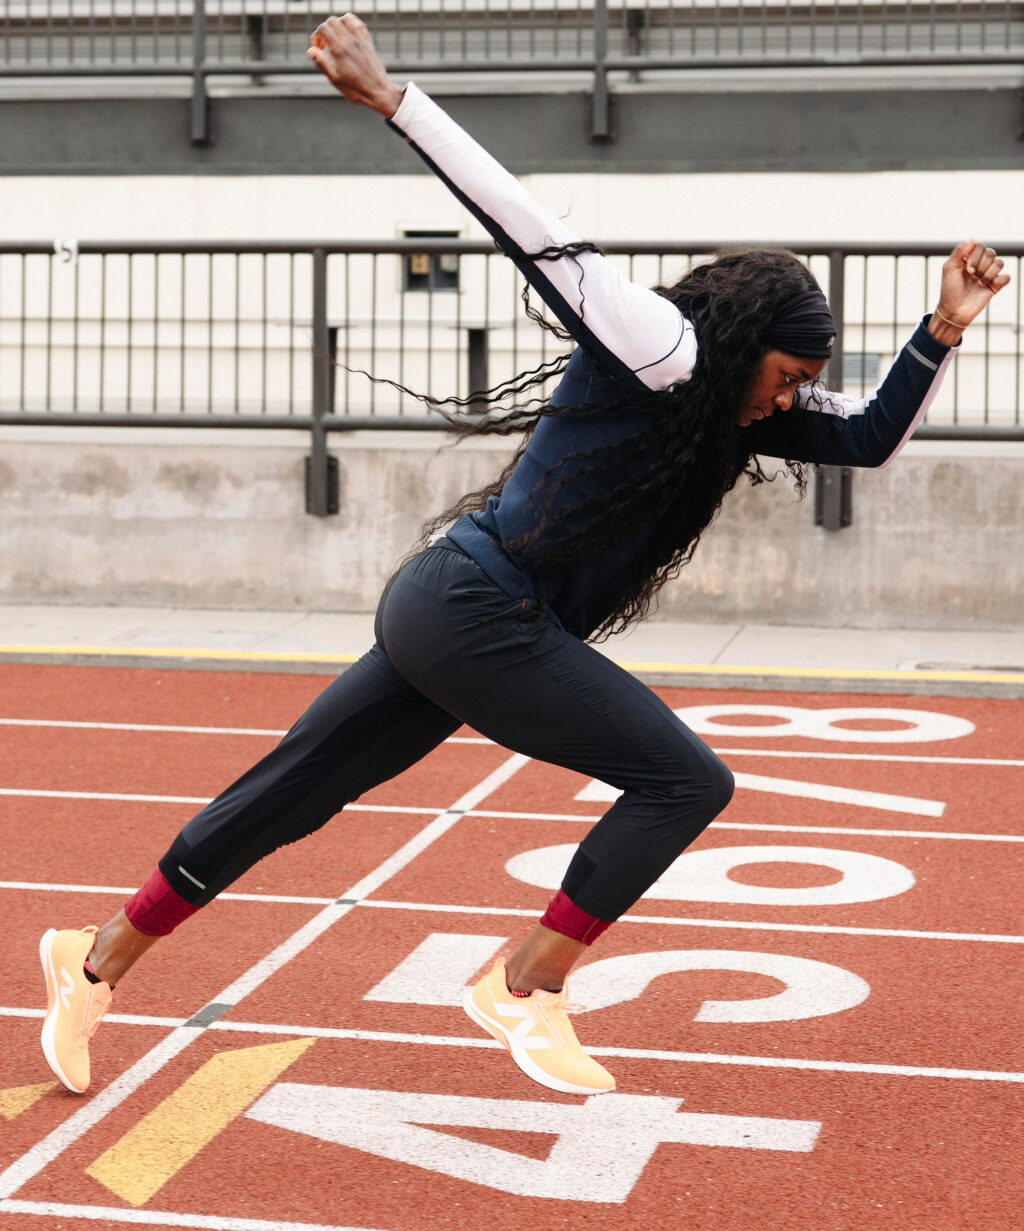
x=815 y=1018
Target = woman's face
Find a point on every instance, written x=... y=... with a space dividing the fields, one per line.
x=776 y=380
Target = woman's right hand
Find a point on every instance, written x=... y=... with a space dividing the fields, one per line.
x=970 y=277
x=343 y=51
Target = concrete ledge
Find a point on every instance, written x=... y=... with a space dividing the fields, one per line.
x=715 y=656
x=161 y=518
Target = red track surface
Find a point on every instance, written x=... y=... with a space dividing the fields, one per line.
x=907 y=1095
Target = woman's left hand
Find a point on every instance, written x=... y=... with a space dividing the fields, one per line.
x=971 y=276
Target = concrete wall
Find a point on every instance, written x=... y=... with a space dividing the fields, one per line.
x=215 y=519
x=837 y=119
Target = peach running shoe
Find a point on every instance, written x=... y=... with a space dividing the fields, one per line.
x=74 y=1006
x=537 y=1033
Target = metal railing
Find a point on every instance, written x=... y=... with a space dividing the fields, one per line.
x=603 y=39
x=281 y=335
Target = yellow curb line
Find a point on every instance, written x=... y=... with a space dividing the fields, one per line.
x=834 y=673
x=114 y=651
x=840 y=673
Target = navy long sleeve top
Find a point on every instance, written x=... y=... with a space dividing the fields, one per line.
x=632 y=334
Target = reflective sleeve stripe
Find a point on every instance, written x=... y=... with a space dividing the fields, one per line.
x=921 y=359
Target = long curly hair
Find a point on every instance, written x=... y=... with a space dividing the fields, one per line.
x=664 y=484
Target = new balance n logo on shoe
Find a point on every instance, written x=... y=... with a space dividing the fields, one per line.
x=67 y=988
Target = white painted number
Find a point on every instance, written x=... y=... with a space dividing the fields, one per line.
x=438 y=970
x=602 y=792
x=813 y=989
x=440 y=967
x=703 y=876
x=602 y=1146
x=917 y=726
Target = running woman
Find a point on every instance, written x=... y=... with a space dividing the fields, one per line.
x=669 y=397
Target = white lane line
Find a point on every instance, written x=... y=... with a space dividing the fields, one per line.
x=167 y=728
x=198 y=800
x=817 y=1066
x=123 y=1019
x=637 y=1053
x=593 y=818
x=202 y=800
x=874 y=833
x=45 y=887
x=162 y=1218
x=286 y=899
x=742 y=924
x=581 y=818
x=867 y=756
x=516 y=912
x=55 y=1143
x=479 y=739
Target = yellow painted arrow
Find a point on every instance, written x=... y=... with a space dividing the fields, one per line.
x=20 y=1098
x=174 y=1132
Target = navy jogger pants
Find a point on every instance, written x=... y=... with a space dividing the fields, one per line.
x=452 y=648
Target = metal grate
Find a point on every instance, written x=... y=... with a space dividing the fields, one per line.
x=112 y=36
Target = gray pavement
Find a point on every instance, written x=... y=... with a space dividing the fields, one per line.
x=964 y=662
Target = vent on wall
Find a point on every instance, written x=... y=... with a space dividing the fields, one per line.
x=426 y=271
x=861 y=368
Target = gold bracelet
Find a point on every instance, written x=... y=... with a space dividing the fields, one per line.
x=955 y=324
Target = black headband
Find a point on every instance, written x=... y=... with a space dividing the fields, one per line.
x=803 y=327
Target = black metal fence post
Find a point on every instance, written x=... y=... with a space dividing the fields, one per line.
x=321 y=468
x=478 y=363
x=833 y=485
x=600 y=112
x=200 y=102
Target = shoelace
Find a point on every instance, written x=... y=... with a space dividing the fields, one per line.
x=555 y=1015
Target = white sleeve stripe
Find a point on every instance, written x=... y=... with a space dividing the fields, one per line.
x=826 y=402
x=929 y=397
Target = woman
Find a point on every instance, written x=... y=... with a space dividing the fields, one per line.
x=664 y=404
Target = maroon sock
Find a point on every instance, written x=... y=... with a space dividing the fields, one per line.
x=563 y=915
x=157 y=909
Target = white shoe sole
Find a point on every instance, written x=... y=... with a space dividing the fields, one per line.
x=50 y=1021
x=521 y=1055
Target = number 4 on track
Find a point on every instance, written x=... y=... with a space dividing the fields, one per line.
x=601 y=1149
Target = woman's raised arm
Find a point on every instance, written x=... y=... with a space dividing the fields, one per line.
x=628 y=329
